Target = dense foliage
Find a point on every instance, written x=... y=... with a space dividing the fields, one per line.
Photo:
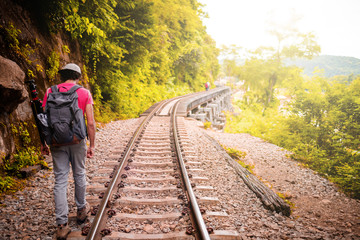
x=319 y=122
x=25 y=155
x=316 y=118
x=137 y=52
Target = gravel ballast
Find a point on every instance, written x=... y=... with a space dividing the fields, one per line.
x=320 y=212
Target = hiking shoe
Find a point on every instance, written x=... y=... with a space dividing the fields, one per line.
x=62 y=231
x=82 y=214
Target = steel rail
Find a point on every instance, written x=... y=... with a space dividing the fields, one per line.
x=178 y=98
x=94 y=229
x=199 y=221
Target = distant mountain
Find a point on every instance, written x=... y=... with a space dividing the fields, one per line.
x=332 y=65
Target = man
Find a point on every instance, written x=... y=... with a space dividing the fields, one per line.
x=73 y=154
x=207 y=86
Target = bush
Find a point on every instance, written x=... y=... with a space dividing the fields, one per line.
x=238 y=156
x=6 y=183
x=321 y=129
x=25 y=155
x=207 y=125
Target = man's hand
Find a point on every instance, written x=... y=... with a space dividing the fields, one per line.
x=91 y=129
x=90 y=152
x=45 y=150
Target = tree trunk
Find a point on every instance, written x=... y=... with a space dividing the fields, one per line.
x=272 y=82
x=269 y=199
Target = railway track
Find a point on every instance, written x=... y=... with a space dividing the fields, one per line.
x=153 y=189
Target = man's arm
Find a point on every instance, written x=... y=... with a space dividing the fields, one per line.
x=91 y=128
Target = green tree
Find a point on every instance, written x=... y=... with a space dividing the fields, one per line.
x=137 y=52
x=264 y=71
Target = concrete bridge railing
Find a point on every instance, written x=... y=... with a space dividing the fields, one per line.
x=208 y=106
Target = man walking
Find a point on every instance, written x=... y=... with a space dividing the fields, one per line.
x=71 y=154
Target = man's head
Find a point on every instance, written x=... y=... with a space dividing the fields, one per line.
x=70 y=71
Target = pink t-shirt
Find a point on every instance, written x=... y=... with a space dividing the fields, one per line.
x=83 y=94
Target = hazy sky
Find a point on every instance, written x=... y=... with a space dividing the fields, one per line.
x=335 y=23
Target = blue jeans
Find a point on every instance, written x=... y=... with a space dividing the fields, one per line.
x=63 y=157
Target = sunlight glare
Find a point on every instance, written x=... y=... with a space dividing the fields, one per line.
x=246 y=23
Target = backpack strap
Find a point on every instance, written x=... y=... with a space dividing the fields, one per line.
x=54 y=88
x=74 y=88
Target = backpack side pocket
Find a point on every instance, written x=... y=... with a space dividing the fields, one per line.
x=44 y=127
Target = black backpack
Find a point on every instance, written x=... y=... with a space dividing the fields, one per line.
x=63 y=122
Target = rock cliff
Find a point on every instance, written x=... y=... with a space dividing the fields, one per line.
x=28 y=50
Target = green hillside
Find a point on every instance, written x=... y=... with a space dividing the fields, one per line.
x=332 y=65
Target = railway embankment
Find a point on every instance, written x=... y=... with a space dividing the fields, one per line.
x=320 y=211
